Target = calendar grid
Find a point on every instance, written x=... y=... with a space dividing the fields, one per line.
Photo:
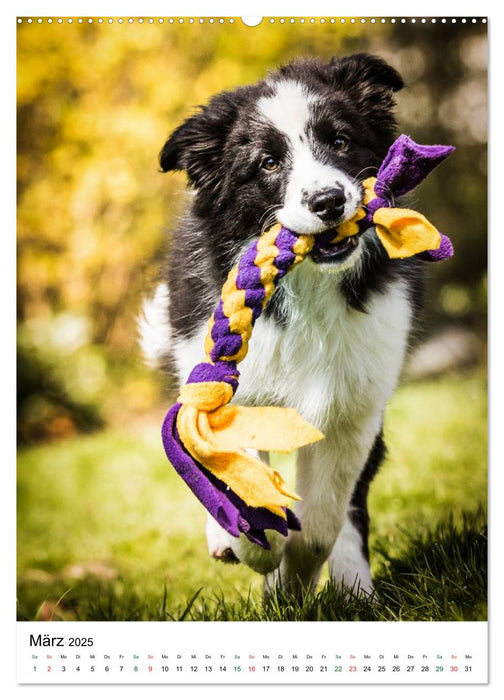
x=325 y=653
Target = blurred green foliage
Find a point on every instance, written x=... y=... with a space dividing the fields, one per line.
x=95 y=104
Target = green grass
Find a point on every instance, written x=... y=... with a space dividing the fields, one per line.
x=108 y=531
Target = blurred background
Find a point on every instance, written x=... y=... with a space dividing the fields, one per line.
x=95 y=104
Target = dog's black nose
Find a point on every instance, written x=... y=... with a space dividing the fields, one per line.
x=328 y=204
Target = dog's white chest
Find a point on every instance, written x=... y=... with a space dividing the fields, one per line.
x=330 y=361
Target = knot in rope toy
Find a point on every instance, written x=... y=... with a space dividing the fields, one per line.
x=205 y=438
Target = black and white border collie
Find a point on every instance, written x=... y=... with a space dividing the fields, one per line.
x=295 y=148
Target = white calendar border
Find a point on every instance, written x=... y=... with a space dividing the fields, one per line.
x=226 y=8
x=234 y=8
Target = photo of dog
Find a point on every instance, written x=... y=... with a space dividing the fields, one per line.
x=295 y=148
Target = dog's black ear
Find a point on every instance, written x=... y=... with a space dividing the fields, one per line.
x=369 y=83
x=364 y=70
x=197 y=145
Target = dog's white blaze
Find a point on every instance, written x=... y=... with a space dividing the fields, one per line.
x=289 y=111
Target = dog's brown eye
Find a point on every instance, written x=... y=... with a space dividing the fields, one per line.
x=340 y=143
x=270 y=163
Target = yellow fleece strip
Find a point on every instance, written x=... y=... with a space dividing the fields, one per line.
x=404 y=232
x=217 y=441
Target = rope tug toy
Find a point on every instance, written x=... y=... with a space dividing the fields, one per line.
x=204 y=437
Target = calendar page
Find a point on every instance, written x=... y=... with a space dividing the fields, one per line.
x=252 y=336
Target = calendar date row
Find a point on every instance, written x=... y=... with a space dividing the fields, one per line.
x=282 y=668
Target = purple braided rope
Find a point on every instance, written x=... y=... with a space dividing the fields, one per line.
x=221 y=502
x=248 y=279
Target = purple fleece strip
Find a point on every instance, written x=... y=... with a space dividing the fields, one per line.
x=249 y=275
x=227 y=346
x=444 y=251
x=405 y=166
x=285 y=242
x=248 y=278
x=220 y=323
x=254 y=300
x=214 y=501
x=218 y=372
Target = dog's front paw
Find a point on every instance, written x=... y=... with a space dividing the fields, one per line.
x=220 y=543
x=225 y=555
